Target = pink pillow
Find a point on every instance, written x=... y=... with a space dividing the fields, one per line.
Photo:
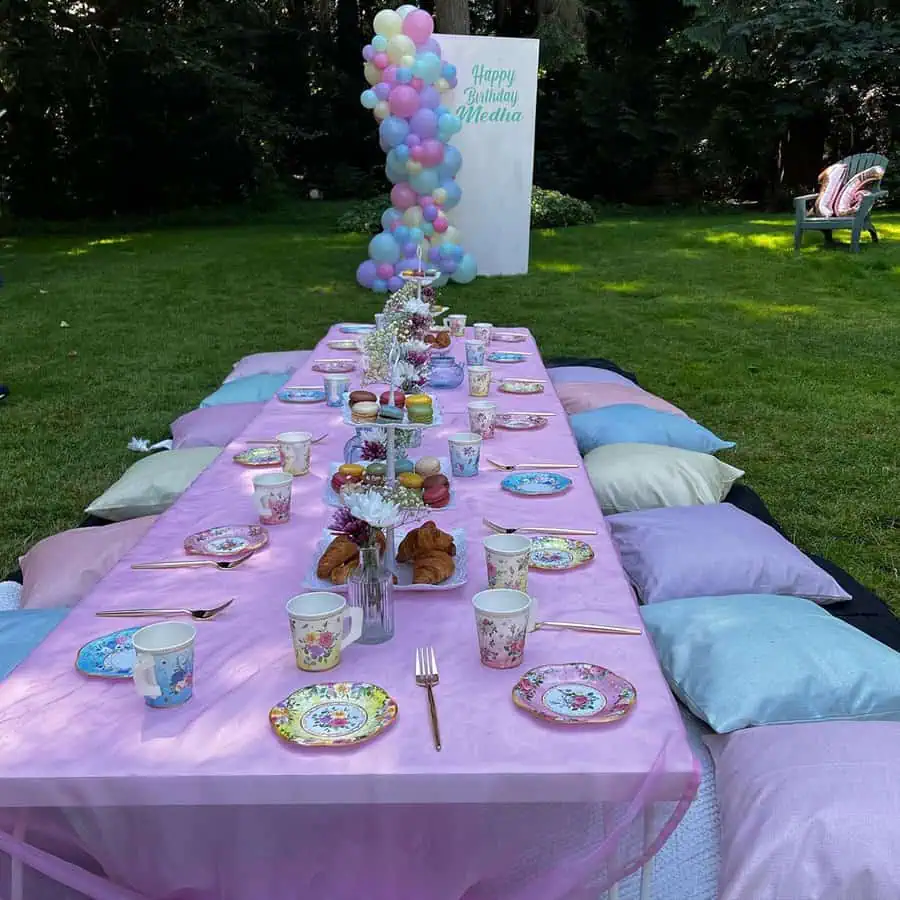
x=851 y=194
x=579 y=397
x=269 y=363
x=61 y=569
x=809 y=811
x=830 y=182
x=213 y=426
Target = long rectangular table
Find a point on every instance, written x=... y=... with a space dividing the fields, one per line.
x=207 y=798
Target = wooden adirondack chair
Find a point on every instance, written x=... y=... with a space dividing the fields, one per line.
x=807 y=220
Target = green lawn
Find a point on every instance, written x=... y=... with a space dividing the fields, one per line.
x=796 y=359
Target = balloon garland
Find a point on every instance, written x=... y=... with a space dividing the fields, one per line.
x=407 y=77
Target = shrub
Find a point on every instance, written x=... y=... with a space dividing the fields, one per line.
x=364 y=216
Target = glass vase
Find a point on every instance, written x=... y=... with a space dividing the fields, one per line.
x=371 y=589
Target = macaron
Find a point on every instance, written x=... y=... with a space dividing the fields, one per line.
x=415 y=399
x=352 y=469
x=362 y=397
x=366 y=411
x=410 y=480
x=436 y=481
x=399 y=399
x=338 y=480
x=403 y=465
x=436 y=496
x=379 y=469
x=420 y=415
x=428 y=465
x=390 y=414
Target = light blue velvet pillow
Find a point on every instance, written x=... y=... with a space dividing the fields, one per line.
x=631 y=423
x=760 y=659
x=21 y=630
x=250 y=389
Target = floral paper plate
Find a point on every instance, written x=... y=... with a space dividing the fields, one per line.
x=344 y=345
x=301 y=395
x=506 y=356
x=334 y=366
x=550 y=552
x=258 y=456
x=536 y=484
x=335 y=714
x=522 y=387
x=508 y=337
x=574 y=694
x=519 y=421
x=356 y=329
x=227 y=540
x=110 y=656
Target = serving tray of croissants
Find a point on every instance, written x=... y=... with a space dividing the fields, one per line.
x=427 y=559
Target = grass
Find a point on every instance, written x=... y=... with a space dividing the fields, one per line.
x=795 y=358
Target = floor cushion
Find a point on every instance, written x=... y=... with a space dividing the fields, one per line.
x=21 y=630
x=249 y=389
x=269 y=363
x=596 y=362
x=152 y=484
x=831 y=180
x=628 y=477
x=582 y=396
x=809 y=812
x=213 y=426
x=587 y=375
x=760 y=659
x=632 y=423
x=61 y=569
x=695 y=551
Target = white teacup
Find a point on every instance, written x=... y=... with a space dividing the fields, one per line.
x=479 y=381
x=319 y=628
x=507 y=557
x=294 y=447
x=272 y=497
x=483 y=331
x=482 y=414
x=503 y=619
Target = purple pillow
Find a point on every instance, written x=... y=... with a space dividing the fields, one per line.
x=565 y=374
x=809 y=812
x=269 y=363
x=213 y=426
x=706 y=551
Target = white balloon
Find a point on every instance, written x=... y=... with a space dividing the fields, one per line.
x=400 y=46
x=382 y=110
x=408 y=61
x=387 y=23
x=405 y=10
x=372 y=73
x=413 y=216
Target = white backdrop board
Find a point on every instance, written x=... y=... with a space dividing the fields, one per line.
x=495 y=98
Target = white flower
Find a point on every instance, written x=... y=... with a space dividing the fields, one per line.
x=372 y=508
x=404 y=371
x=416 y=307
x=416 y=347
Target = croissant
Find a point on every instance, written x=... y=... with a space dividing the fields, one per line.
x=341 y=574
x=341 y=550
x=440 y=339
x=433 y=568
x=425 y=539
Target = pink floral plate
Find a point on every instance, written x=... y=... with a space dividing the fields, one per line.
x=508 y=337
x=574 y=694
x=334 y=366
x=227 y=540
x=519 y=421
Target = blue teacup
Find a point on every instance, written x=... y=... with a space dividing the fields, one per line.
x=164 y=663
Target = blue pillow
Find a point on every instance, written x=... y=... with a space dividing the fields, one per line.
x=21 y=630
x=760 y=659
x=631 y=423
x=249 y=389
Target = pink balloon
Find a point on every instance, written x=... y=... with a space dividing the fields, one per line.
x=426 y=200
x=385 y=270
x=417 y=83
x=417 y=153
x=404 y=100
x=403 y=196
x=432 y=152
x=441 y=224
x=389 y=75
x=380 y=60
x=418 y=25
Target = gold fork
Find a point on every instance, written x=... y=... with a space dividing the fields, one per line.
x=427 y=677
x=503 y=530
x=512 y=468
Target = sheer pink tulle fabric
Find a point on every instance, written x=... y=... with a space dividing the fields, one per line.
x=205 y=803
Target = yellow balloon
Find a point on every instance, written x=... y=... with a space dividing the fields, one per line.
x=408 y=62
x=413 y=216
x=398 y=47
x=439 y=195
x=382 y=110
x=452 y=235
x=387 y=23
x=413 y=167
x=372 y=73
x=442 y=84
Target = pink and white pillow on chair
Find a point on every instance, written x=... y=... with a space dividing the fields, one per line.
x=851 y=194
x=830 y=182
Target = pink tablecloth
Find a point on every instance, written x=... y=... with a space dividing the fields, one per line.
x=204 y=801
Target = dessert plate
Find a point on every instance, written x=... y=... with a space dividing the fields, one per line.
x=351 y=328
x=405 y=424
x=110 y=656
x=519 y=421
x=258 y=456
x=556 y=553
x=301 y=395
x=508 y=337
x=506 y=356
x=404 y=571
x=522 y=387
x=227 y=540
x=574 y=694
x=334 y=366
x=536 y=484
x=344 y=345
x=335 y=714
x=333 y=499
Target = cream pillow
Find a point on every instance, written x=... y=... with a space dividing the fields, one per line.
x=152 y=484
x=629 y=477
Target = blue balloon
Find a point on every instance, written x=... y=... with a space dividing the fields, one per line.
x=446 y=251
x=427 y=67
x=448 y=70
x=383 y=248
x=424 y=182
x=379 y=285
x=466 y=270
x=393 y=131
x=401 y=234
x=379 y=43
x=404 y=75
x=447 y=124
x=454 y=193
x=428 y=229
x=368 y=99
x=448 y=266
x=395 y=174
x=401 y=153
x=441 y=110
x=452 y=162
x=389 y=216
x=440 y=282
x=456 y=252
x=416 y=235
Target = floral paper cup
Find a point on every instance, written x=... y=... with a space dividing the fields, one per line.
x=164 y=663
x=482 y=414
x=479 y=381
x=474 y=353
x=319 y=629
x=294 y=447
x=507 y=557
x=503 y=619
x=335 y=386
x=272 y=496
x=457 y=324
x=465 y=454
x=483 y=331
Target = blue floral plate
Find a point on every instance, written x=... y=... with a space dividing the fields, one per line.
x=357 y=329
x=506 y=356
x=536 y=484
x=301 y=395
x=110 y=656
